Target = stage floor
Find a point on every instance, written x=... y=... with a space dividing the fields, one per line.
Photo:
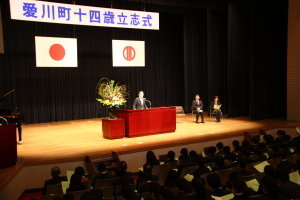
x=71 y=140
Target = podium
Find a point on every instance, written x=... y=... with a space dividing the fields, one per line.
x=148 y=121
x=113 y=129
x=8 y=145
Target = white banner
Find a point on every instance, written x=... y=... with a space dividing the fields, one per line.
x=56 y=52
x=128 y=53
x=42 y=11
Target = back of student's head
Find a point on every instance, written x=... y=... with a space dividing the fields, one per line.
x=187 y=187
x=246 y=152
x=269 y=170
x=171 y=155
x=192 y=154
x=150 y=156
x=165 y=193
x=281 y=154
x=75 y=180
x=180 y=183
x=258 y=151
x=123 y=165
x=242 y=162
x=68 y=196
x=220 y=145
x=214 y=181
x=235 y=143
x=55 y=171
x=101 y=167
x=255 y=140
x=79 y=170
x=226 y=150
x=92 y=195
x=219 y=161
x=281 y=133
x=270 y=186
x=239 y=186
x=147 y=168
x=211 y=151
x=119 y=172
x=184 y=151
x=172 y=176
x=200 y=162
x=282 y=174
x=234 y=175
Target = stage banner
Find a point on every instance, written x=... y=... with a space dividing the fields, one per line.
x=55 y=52
x=43 y=11
x=128 y=53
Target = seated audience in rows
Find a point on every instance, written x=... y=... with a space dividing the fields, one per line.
x=233 y=176
x=79 y=170
x=68 y=196
x=295 y=146
x=199 y=189
x=164 y=193
x=151 y=158
x=102 y=173
x=123 y=167
x=242 y=163
x=171 y=179
x=211 y=155
x=219 y=164
x=246 y=153
x=180 y=185
x=239 y=190
x=287 y=188
x=201 y=168
x=184 y=155
x=56 y=179
x=236 y=147
x=92 y=195
x=226 y=152
x=147 y=169
x=220 y=147
x=259 y=155
x=191 y=162
x=269 y=139
x=270 y=189
x=280 y=135
x=255 y=143
x=274 y=151
x=121 y=179
x=76 y=184
x=171 y=156
x=128 y=193
x=214 y=181
x=232 y=159
x=149 y=185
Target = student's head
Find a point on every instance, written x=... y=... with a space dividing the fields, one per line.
x=123 y=165
x=171 y=155
x=75 y=180
x=211 y=151
x=214 y=181
x=187 y=187
x=150 y=156
x=184 y=151
x=165 y=193
x=242 y=162
x=79 y=170
x=220 y=146
x=226 y=150
x=141 y=94
x=94 y=194
x=232 y=157
x=147 y=168
x=234 y=175
x=55 y=171
x=282 y=174
x=235 y=144
x=197 y=96
x=198 y=187
x=239 y=186
x=269 y=185
x=200 y=162
x=281 y=154
x=269 y=170
x=219 y=161
x=255 y=141
x=180 y=183
x=192 y=154
x=246 y=152
x=101 y=167
x=172 y=176
x=119 y=172
x=216 y=98
x=280 y=133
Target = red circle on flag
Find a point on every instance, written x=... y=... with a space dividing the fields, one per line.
x=57 y=52
x=129 y=53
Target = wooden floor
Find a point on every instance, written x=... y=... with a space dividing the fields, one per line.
x=72 y=140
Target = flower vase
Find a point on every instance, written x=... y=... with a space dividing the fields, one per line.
x=112 y=113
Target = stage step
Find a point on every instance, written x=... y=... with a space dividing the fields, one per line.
x=111 y=162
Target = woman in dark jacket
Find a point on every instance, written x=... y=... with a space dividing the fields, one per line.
x=216 y=108
x=76 y=184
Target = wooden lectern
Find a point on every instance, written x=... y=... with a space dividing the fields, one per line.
x=113 y=129
x=8 y=145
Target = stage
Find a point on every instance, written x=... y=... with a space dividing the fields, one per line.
x=71 y=140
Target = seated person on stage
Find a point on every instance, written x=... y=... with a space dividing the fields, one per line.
x=216 y=108
x=102 y=173
x=140 y=102
x=171 y=156
x=76 y=184
x=55 y=172
x=198 y=107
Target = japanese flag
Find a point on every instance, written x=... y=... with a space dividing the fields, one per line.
x=128 y=53
x=56 y=52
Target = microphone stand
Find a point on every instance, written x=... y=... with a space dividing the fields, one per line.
x=149 y=102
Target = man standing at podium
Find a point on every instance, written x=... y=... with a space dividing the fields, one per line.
x=140 y=102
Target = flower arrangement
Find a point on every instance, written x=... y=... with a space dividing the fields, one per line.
x=111 y=94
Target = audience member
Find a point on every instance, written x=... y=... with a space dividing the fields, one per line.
x=171 y=179
x=151 y=158
x=180 y=185
x=164 y=193
x=188 y=191
x=149 y=184
x=220 y=147
x=270 y=189
x=56 y=179
x=128 y=193
x=201 y=168
x=240 y=190
x=211 y=155
x=198 y=189
x=123 y=167
x=102 y=173
x=171 y=156
x=76 y=183
x=283 y=161
x=269 y=170
x=287 y=188
x=242 y=163
x=183 y=155
x=236 y=147
x=214 y=181
x=188 y=163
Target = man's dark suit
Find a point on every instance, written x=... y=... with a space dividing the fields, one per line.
x=198 y=104
x=55 y=180
x=138 y=105
x=290 y=190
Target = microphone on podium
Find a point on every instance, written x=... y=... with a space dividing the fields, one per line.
x=148 y=101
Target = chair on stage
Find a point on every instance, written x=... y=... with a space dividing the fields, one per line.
x=211 y=114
